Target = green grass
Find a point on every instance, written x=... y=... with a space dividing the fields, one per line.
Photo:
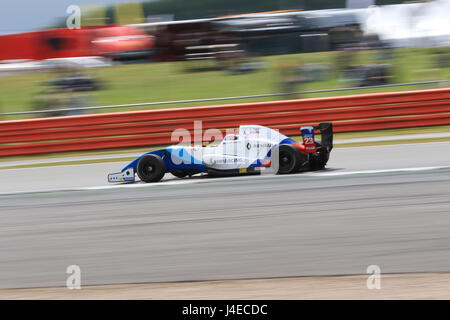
x=152 y=82
x=77 y=154
x=392 y=132
x=66 y=163
x=384 y=143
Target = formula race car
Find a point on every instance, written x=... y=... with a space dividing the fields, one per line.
x=245 y=151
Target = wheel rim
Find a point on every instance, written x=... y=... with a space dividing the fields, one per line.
x=286 y=161
x=148 y=170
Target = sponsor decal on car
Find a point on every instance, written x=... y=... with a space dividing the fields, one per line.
x=308 y=139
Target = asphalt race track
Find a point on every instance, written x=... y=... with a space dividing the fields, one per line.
x=383 y=205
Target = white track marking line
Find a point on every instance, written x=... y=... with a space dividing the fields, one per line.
x=104 y=187
x=141 y=185
x=191 y=181
x=329 y=174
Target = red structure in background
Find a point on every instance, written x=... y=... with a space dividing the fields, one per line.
x=68 y=43
x=362 y=112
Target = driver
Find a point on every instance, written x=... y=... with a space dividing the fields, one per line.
x=231 y=137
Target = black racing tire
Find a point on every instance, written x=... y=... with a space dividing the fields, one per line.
x=151 y=168
x=179 y=173
x=290 y=159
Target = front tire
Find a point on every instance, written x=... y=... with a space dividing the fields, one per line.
x=151 y=168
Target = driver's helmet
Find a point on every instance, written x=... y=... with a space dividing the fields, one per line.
x=231 y=137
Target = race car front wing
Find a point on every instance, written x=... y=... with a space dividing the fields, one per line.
x=124 y=176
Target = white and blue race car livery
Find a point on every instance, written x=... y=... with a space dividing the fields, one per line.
x=253 y=147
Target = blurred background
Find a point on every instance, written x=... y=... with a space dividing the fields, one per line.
x=383 y=198
x=129 y=52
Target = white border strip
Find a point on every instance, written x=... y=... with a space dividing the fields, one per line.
x=194 y=180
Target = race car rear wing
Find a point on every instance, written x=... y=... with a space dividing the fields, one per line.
x=326 y=131
x=309 y=141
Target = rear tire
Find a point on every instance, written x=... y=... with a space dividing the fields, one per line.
x=289 y=159
x=151 y=168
